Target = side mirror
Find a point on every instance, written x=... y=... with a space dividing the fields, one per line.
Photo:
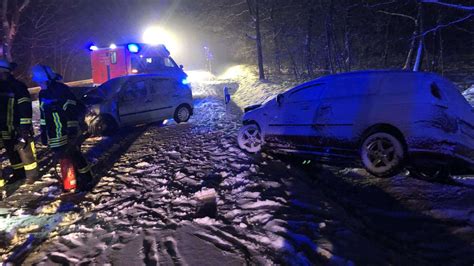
x=279 y=99
x=181 y=66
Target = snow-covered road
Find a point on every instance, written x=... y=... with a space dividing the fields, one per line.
x=185 y=194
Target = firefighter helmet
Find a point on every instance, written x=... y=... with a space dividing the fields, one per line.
x=42 y=73
x=5 y=66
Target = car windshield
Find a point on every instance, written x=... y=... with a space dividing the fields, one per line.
x=150 y=64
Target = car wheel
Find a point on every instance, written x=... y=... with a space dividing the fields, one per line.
x=182 y=114
x=431 y=174
x=250 y=138
x=103 y=126
x=382 y=154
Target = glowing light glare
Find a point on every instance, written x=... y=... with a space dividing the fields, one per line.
x=113 y=46
x=133 y=48
x=235 y=72
x=199 y=75
x=185 y=81
x=134 y=71
x=156 y=35
x=93 y=48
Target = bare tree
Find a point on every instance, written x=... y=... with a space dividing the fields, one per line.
x=254 y=10
x=11 y=14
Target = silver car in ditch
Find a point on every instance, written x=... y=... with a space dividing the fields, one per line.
x=137 y=99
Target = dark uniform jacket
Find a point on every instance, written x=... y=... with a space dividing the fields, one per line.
x=15 y=108
x=59 y=114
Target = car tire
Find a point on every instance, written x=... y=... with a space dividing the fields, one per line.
x=250 y=138
x=431 y=174
x=182 y=114
x=103 y=126
x=382 y=154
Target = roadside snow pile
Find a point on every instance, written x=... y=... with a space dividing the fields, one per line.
x=250 y=90
x=469 y=94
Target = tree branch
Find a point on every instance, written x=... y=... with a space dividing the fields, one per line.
x=446 y=25
x=398 y=15
x=467 y=8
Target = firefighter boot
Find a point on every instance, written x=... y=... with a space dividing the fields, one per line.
x=27 y=154
x=68 y=175
x=15 y=161
x=85 y=178
x=3 y=192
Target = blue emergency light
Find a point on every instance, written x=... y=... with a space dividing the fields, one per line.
x=92 y=47
x=133 y=48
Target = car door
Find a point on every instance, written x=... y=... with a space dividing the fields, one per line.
x=293 y=125
x=162 y=96
x=346 y=107
x=133 y=104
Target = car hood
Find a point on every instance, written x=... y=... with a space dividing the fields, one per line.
x=252 y=107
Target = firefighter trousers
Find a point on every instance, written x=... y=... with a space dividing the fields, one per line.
x=22 y=160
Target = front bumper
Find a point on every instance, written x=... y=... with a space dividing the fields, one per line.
x=459 y=158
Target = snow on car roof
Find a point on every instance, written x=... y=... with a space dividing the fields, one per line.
x=366 y=72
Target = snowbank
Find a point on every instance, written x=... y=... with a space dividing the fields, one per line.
x=250 y=90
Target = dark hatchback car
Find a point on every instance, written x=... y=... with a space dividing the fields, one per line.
x=382 y=120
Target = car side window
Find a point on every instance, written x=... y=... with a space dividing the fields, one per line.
x=305 y=94
x=155 y=86
x=132 y=91
x=348 y=87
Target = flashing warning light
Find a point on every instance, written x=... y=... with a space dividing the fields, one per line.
x=93 y=48
x=113 y=46
x=155 y=35
x=133 y=48
x=185 y=81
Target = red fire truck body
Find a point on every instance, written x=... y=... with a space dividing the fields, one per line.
x=121 y=60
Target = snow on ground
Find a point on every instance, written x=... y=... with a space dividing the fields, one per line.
x=200 y=200
x=185 y=194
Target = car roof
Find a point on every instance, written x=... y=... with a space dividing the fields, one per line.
x=366 y=73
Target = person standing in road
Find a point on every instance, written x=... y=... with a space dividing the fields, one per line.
x=60 y=127
x=16 y=131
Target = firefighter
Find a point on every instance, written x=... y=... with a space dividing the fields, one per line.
x=16 y=131
x=60 y=128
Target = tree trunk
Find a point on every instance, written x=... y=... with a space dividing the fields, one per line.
x=441 y=52
x=293 y=61
x=329 y=44
x=261 y=71
x=309 y=40
x=419 y=54
x=11 y=25
x=276 y=43
x=387 y=43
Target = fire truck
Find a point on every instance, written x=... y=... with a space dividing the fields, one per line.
x=132 y=58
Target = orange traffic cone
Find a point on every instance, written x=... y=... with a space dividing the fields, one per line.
x=68 y=174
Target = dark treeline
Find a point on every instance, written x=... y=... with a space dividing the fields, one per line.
x=309 y=37
x=302 y=38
